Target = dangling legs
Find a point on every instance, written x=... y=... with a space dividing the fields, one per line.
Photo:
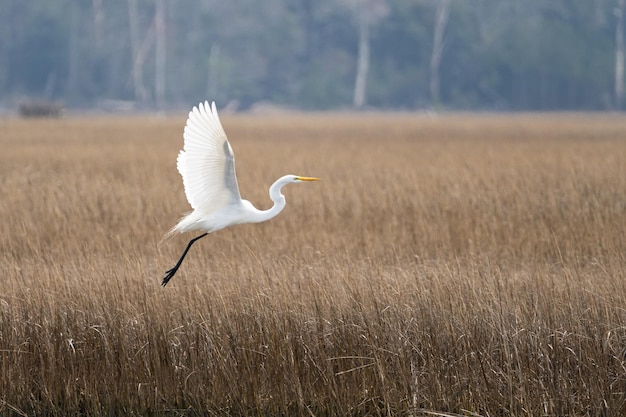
x=171 y=272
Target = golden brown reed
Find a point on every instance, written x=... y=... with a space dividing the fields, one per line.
x=467 y=264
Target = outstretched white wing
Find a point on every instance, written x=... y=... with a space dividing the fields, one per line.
x=207 y=163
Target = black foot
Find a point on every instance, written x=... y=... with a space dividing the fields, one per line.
x=168 y=275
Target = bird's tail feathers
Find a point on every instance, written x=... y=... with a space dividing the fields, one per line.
x=182 y=226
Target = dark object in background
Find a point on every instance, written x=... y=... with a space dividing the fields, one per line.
x=40 y=108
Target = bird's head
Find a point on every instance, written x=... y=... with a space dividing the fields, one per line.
x=284 y=180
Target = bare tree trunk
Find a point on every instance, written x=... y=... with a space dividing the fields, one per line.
x=139 y=88
x=441 y=21
x=363 y=59
x=98 y=24
x=160 y=53
x=619 y=55
x=214 y=61
x=73 y=58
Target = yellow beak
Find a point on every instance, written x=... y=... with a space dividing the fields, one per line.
x=308 y=179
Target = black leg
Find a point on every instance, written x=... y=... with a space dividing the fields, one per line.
x=171 y=272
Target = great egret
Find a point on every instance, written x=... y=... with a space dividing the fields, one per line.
x=207 y=165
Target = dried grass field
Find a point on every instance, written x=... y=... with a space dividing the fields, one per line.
x=460 y=264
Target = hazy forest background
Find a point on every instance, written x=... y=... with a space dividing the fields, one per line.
x=308 y=54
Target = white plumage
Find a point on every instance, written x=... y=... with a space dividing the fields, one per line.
x=206 y=162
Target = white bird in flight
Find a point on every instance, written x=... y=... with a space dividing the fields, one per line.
x=207 y=165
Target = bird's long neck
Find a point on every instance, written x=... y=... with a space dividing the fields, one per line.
x=277 y=198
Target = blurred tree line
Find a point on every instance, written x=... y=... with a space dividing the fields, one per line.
x=461 y=54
